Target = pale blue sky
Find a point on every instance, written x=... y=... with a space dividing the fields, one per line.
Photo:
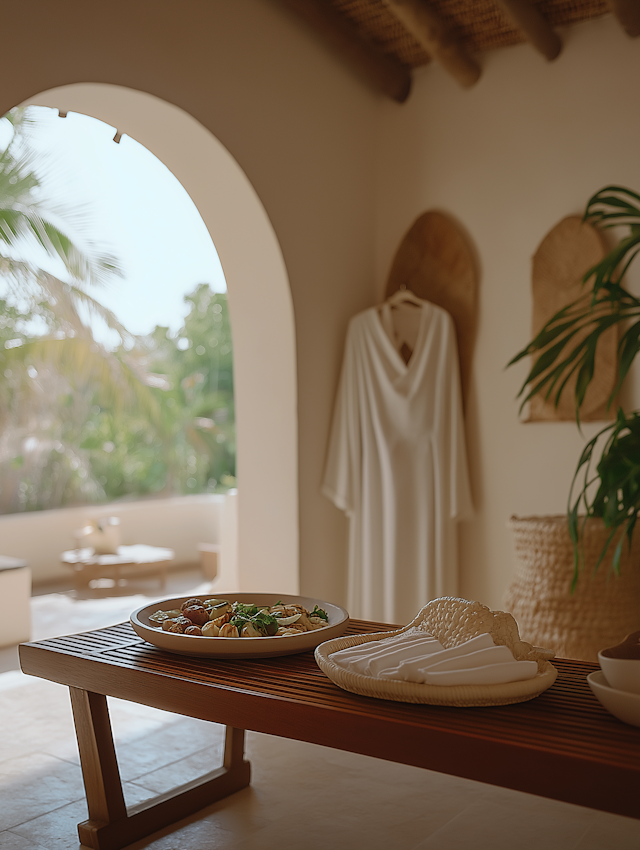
x=125 y=199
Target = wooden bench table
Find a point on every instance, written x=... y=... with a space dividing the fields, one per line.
x=562 y=745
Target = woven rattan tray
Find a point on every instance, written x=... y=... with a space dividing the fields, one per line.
x=452 y=622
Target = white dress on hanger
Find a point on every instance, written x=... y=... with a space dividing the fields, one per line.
x=397 y=465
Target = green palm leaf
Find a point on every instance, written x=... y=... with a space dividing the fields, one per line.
x=85 y=364
x=25 y=217
x=612 y=492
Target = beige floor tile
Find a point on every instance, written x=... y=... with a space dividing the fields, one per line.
x=56 y=830
x=416 y=806
x=340 y=797
x=609 y=832
x=174 y=748
x=182 y=770
x=599 y=824
x=64 y=749
x=535 y=804
x=303 y=825
x=13 y=841
x=499 y=826
x=37 y=712
x=317 y=828
x=130 y=720
x=253 y=808
x=34 y=784
x=134 y=793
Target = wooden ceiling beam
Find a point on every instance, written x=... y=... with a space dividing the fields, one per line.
x=429 y=31
x=628 y=14
x=526 y=18
x=385 y=74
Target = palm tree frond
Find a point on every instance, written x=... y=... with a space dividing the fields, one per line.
x=85 y=364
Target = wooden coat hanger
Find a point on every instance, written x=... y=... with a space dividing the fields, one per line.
x=400 y=297
x=437 y=261
x=404 y=296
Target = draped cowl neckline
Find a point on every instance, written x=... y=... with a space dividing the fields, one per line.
x=403 y=375
x=384 y=326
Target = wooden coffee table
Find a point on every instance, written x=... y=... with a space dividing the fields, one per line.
x=138 y=558
x=562 y=744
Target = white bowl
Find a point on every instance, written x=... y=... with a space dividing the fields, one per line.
x=621 y=704
x=623 y=674
x=263 y=647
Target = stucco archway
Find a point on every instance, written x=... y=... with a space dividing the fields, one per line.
x=261 y=314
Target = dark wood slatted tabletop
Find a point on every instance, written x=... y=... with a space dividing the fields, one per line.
x=563 y=744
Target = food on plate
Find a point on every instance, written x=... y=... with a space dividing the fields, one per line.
x=178 y=625
x=222 y=618
x=189 y=603
x=198 y=614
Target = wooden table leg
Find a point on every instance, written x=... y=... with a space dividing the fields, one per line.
x=80 y=578
x=111 y=825
x=98 y=757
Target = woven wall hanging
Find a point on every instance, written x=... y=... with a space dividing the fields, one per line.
x=569 y=250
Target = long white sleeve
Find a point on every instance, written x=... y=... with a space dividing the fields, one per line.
x=342 y=468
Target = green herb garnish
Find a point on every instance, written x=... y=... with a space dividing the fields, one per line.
x=261 y=620
x=320 y=612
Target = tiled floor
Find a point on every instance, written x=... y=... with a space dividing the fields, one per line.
x=301 y=796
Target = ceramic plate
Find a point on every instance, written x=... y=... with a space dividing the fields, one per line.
x=264 y=647
x=622 y=704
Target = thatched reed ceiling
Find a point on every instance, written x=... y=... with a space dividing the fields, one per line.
x=384 y=40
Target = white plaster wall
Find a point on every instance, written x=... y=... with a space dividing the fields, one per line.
x=303 y=130
x=509 y=158
x=180 y=523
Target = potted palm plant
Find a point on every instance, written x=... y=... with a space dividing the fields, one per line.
x=567 y=345
x=604 y=498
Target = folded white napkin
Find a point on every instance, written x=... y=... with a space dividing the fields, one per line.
x=370 y=658
x=410 y=668
x=418 y=657
x=492 y=674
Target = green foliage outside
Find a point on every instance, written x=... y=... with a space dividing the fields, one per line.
x=80 y=423
x=191 y=448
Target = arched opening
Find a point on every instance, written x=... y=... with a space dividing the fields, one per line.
x=261 y=315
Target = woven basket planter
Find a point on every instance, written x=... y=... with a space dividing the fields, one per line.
x=602 y=610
